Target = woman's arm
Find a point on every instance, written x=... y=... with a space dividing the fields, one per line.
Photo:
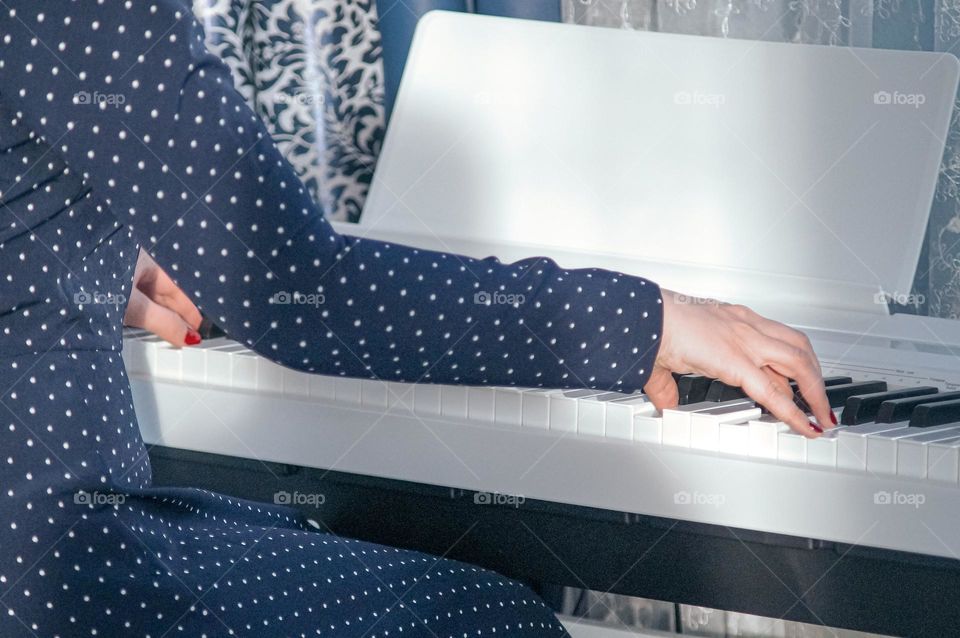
x=127 y=92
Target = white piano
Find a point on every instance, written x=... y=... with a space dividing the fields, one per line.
x=688 y=161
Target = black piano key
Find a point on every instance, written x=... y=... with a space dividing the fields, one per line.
x=832 y=381
x=209 y=330
x=720 y=391
x=837 y=395
x=827 y=382
x=863 y=408
x=693 y=388
x=927 y=415
x=898 y=410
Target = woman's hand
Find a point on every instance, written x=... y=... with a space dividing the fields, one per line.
x=741 y=348
x=158 y=305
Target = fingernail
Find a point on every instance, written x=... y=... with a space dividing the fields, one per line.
x=192 y=338
x=816 y=428
x=833 y=417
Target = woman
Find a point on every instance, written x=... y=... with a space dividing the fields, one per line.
x=119 y=130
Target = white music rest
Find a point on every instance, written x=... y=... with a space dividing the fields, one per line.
x=737 y=157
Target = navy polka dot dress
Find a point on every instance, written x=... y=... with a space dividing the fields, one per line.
x=118 y=130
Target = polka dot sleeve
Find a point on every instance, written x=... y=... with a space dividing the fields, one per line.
x=130 y=97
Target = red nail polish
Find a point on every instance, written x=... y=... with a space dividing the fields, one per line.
x=192 y=338
x=833 y=417
x=816 y=428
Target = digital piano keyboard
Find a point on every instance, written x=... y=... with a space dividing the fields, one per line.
x=813 y=217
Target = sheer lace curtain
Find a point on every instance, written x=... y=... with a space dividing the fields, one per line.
x=930 y=25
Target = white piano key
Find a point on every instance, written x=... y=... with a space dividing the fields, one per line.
x=592 y=412
x=481 y=404
x=823 y=449
x=882 y=447
x=269 y=376
x=295 y=382
x=193 y=364
x=322 y=387
x=648 y=428
x=563 y=413
x=508 y=405
x=618 y=422
x=426 y=399
x=705 y=426
x=346 y=390
x=676 y=421
x=243 y=369
x=943 y=462
x=852 y=443
x=912 y=453
x=762 y=436
x=564 y=408
x=536 y=407
x=734 y=438
x=219 y=364
x=374 y=393
x=168 y=362
x=792 y=447
x=453 y=401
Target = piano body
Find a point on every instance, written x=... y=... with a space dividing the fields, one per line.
x=692 y=163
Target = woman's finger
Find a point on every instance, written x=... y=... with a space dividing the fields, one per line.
x=142 y=312
x=782 y=382
x=661 y=388
x=792 y=362
x=761 y=389
x=161 y=289
x=783 y=333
